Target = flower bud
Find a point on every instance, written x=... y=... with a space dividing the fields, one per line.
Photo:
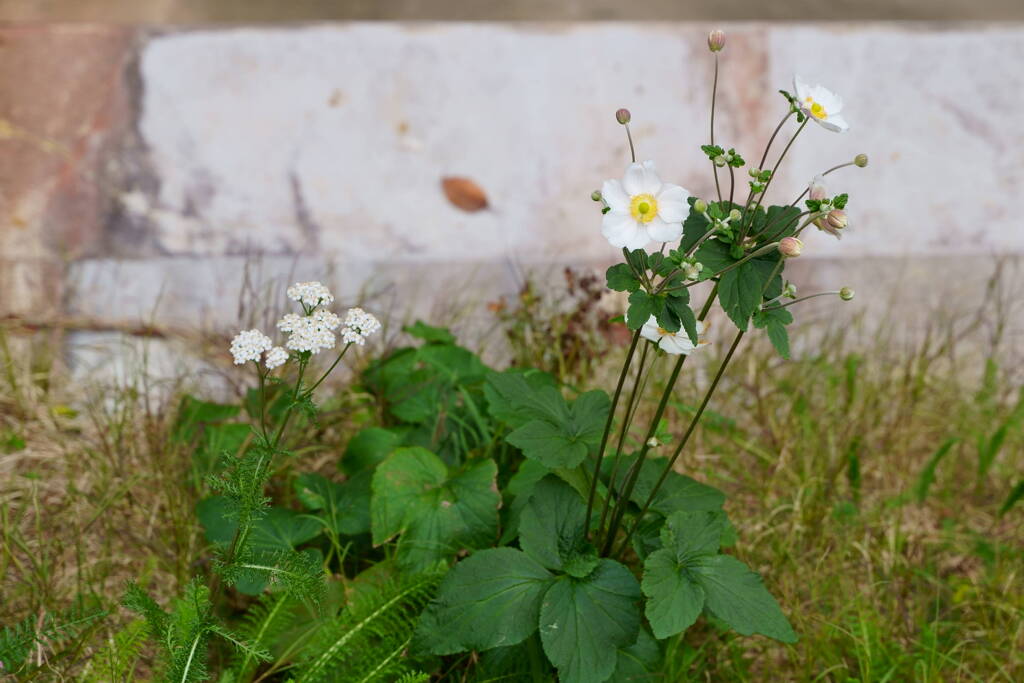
x=817 y=189
x=845 y=293
x=622 y=116
x=596 y=195
x=700 y=206
x=837 y=219
x=735 y=215
x=789 y=290
x=790 y=247
x=861 y=160
x=716 y=40
x=719 y=160
x=753 y=172
x=691 y=271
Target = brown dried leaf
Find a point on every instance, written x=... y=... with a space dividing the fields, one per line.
x=464 y=193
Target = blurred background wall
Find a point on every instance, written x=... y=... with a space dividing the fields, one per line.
x=162 y=161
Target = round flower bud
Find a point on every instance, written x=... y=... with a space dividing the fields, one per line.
x=700 y=206
x=716 y=40
x=719 y=160
x=753 y=172
x=861 y=160
x=837 y=219
x=817 y=189
x=845 y=293
x=735 y=215
x=596 y=195
x=790 y=247
x=622 y=116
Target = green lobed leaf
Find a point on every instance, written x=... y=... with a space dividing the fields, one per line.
x=621 y=279
x=774 y=321
x=737 y=596
x=639 y=661
x=437 y=513
x=516 y=397
x=368 y=448
x=490 y=599
x=551 y=529
x=429 y=333
x=344 y=508
x=563 y=437
x=584 y=622
x=641 y=307
x=675 y=598
x=678 y=493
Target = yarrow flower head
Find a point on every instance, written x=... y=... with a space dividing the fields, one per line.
x=642 y=208
x=310 y=294
x=249 y=345
x=362 y=322
x=672 y=342
x=275 y=357
x=820 y=104
x=312 y=333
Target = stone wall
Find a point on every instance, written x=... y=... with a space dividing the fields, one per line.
x=166 y=175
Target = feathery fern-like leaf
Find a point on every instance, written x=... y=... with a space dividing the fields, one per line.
x=367 y=641
x=265 y=620
x=18 y=640
x=116 y=661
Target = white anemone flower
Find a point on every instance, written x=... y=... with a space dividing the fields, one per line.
x=672 y=342
x=820 y=104
x=642 y=208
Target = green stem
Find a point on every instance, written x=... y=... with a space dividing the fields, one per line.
x=629 y=136
x=775 y=170
x=796 y=301
x=607 y=429
x=714 y=98
x=630 y=407
x=682 y=443
x=834 y=168
x=623 y=499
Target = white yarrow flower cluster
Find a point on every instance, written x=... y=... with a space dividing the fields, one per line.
x=275 y=357
x=312 y=333
x=249 y=345
x=310 y=294
x=672 y=342
x=358 y=325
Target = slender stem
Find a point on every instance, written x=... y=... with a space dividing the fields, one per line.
x=607 y=429
x=824 y=173
x=804 y=298
x=629 y=136
x=623 y=499
x=682 y=443
x=754 y=254
x=767 y=147
x=634 y=470
x=714 y=98
x=778 y=163
x=732 y=184
x=630 y=407
x=705 y=236
x=329 y=370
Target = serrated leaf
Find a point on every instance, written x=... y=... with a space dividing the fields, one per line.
x=563 y=438
x=638 y=662
x=437 y=513
x=516 y=397
x=737 y=596
x=551 y=529
x=621 y=279
x=490 y=599
x=369 y=448
x=715 y=256
x=584 y=622
x=344 y=508
x=641 y=307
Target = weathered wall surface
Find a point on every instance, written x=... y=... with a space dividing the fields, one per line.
x=164 y=175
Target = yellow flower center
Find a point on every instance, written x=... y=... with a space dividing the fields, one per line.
x=817 y=111
x=644 y=207
x=662 y=332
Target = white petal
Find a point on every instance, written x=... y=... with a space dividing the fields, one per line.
x=835 y=123
x=640 y=238
x=661 y=231
x=676 y=343
x=615 y=195
x=650 y=330
x=641 y=179
x=672 y=206
x=621 y=230
x=828 y=99
x=800 y=88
